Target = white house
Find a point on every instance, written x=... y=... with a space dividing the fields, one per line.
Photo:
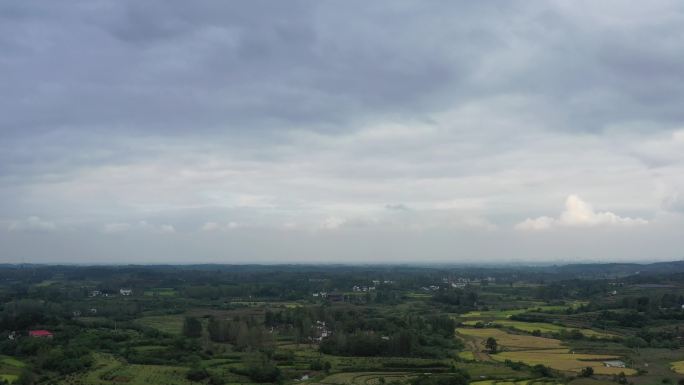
x=125 y=291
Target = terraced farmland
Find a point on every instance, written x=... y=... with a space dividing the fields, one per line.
x=108 y=370
x=364 y=378
x=10 y=368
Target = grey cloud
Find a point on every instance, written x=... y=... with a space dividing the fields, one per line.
x=307 y=115
x=32 y=223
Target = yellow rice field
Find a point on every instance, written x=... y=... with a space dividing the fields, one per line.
x=546 y=351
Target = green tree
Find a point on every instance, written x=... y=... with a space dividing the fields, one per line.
x=192 y=327
x=587 y=372
x=491 y=345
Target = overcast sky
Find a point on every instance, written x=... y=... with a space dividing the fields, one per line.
x=349 y=131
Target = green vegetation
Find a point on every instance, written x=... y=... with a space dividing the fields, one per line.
x=339 y=325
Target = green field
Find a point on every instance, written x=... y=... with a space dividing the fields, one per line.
x=161 y=292
x=10 y=368
x=108 y=370
x=364 y=378
x=523 y=382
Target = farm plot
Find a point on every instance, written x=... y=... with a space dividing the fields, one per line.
x=171 y=324
x=677 y=367
x=523 y=382
x=10 y=368
x=546 y=351
x=161 y=292
x=108 y=370
x=563 y=360
x=365 y=378
x=543 y=327
x=512 y=341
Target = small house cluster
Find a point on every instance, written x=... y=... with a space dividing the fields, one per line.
x=362 y=289
x=321 y=331
x=99 y=293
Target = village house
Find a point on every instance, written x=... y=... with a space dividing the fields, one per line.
x=125 y=292
x=321 y=331
x=40 y=334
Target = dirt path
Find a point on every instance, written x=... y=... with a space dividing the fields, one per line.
x=475 y=346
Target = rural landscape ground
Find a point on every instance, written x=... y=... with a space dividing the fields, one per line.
x=342 y=325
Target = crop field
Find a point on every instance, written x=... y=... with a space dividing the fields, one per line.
x=107 y=370
x=523 y=382
x=494 y=314
x=10 y=368
x=543 y=327
x=512 y=341
x=486 y=370
x=365 y=378
x=563 y=360
x=678 y=367
x=172 y=324
x=161 y=292
x=546 y=351
x=503 y=314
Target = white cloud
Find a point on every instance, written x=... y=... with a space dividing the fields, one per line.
x=32 y=223
x=113 y=228
x=166 y=229
x=144 y=226
x=332 y=223
x=214 y=226
x=578 y=213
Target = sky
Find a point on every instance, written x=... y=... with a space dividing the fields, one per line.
x=341 y=132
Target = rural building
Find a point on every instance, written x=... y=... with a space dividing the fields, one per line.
x=40 y=333
x=125 y=291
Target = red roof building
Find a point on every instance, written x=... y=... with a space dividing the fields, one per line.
x=40 y=333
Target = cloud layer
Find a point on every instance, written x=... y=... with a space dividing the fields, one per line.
x=168 y=131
